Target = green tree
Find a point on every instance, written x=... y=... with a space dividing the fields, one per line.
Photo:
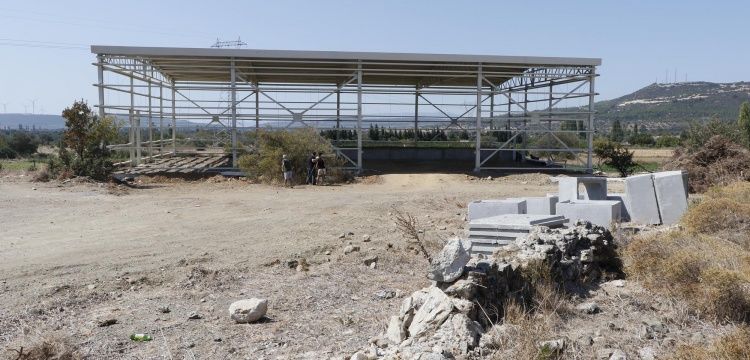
x=22 y=143
x=615 y=155
x=744 y=121
x=617 y=134
x=83 y=150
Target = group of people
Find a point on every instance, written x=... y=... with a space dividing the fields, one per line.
x=316 y=169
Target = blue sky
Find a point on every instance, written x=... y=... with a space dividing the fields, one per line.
x=638 y=40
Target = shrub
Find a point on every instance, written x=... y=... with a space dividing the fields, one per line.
x=699 y=134
x=7 y=153
x=642 y=139
x=667 y=141
x=616 y=156
x=265 y=164
x=718 y=161
x=22 y=143
x=83 y=150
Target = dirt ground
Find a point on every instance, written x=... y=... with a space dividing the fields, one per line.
x=75 y=255
x=84 y=265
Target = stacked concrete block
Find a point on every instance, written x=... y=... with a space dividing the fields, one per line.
x=599 y=212
x=671 y=194
x=595 y=188
x=540 y=205
x=487 y=208
x=643 y=207
x=489 y=234
x=625 y=208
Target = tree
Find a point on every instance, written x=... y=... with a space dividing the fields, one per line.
x=744 y=121
x=617 y=135
x=616 y=156
x=22 y=143
x=83 y=150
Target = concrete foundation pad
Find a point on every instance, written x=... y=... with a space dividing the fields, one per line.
x=487 y=208
x=642 y=205
x=595 y=188
x=599 y=212
x=671 y=194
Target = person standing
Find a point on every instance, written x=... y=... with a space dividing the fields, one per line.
x=286 y=169
x=320 y=165
x=311 y=170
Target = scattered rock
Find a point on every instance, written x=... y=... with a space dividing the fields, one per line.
x=195 y=316
x=328 y=252
x=350 y=249
x=342 y=236
x=434 y=311
x=374 y=266
x=370 y=260
x=385 y=294
x=359 y=355
x=248 y=310
x=448 y=265
x=618 y=354
x=91 y=287
x=551 y=347
x=106 y=322
x=366 y=238
x=292 y=263
x=164 y=309
x=647 y=353
x=588 y=308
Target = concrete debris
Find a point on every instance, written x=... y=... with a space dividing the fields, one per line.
x=385 y=294
x=488 y=208
x=588 y=308
x=449 y=264
x=248 y=310
x=350 y=249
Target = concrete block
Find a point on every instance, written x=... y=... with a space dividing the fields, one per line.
x=671 y=194
x=625 y=209
x=599 y=212
x=642 y=205
x=594 y=188
x=487 y=208
x=540 y=205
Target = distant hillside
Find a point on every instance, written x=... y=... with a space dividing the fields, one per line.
x=672 y=106
x=56 y=122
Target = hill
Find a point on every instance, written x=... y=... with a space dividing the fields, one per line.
x=673 y=106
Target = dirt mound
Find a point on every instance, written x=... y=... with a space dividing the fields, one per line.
x=719 y=162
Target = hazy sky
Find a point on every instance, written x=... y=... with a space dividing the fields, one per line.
x=45 y=58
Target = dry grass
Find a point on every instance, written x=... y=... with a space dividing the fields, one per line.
x=724 y=213
x=43 y=347
x=733 y=346
x=718 y=162
x=712 y=274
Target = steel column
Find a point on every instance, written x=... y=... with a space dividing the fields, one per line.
x=174 y=122
x=233 y=84
x=416 y=114
x=359 y=117
x=478 y=155
x=100 y=71
x=590 y=132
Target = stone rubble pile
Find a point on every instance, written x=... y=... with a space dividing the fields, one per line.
x=447 y=319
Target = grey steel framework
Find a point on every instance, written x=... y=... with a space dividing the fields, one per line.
x=531 y=101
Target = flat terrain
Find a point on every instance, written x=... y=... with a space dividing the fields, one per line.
x=74 y=255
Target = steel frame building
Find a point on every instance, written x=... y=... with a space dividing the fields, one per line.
x=241 y=90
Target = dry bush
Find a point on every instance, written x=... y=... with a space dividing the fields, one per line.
x=522 y=330
x=721 y=217
x=297 y=144
x=710 y=273
x=407 y=224
x=44 y=347
x=732 y=346
x=718 y=162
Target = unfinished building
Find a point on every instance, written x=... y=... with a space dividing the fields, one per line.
x=494 y=112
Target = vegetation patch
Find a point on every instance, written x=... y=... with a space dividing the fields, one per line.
x=718 y=161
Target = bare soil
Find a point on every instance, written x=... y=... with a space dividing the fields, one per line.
x=74 y=255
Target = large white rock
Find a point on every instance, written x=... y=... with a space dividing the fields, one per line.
x=248 y=310
x=435 y=310
x=449 y=264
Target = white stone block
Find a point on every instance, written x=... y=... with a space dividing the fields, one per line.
x=540 y=205
x=594 y=188
x=625 y=209
x=642 y=205
x=671 y=194
x=599 y=212
x=487 y=208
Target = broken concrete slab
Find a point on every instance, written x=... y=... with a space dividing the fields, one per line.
x=643 y=207
x=486 y=208
x=600 y=212
x=489 y=234
x=671 y=195
x=594 y=188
